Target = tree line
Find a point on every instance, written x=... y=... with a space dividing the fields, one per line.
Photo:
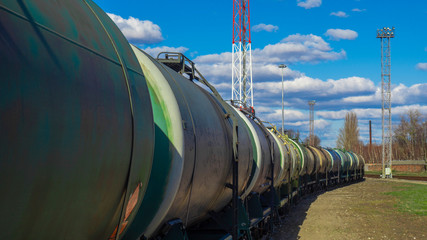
x=409 y=138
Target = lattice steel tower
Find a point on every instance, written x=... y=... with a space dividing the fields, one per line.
x=384 y=35
x=311 y=136
x=241 y=88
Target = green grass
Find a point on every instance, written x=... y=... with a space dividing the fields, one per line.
x=412 y=198
x=397 y=173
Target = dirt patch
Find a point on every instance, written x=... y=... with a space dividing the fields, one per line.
x=357 y=211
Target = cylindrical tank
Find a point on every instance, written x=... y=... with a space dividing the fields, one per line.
x=311 y=161
x=353 y=161
x=75 y=121
x=361 y=163
x=301 y=156
x=270 y=152
x=329 y=160
x=283 y=174
x=325 y=161
x=345 y=162
x=321 y=161
x=193 y=152
x=257 y=153
x=337 y=161
x=295 y=159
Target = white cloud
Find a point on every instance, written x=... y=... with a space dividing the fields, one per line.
x=370 y=113
x=138 y=31
x=400 y=95
x=294 y=48
x=298 y=48
x=290 y=115
x=156 y=50
x=339 y=14
x=422 y=66
x=358 y=10
x=360 y=112
x=338 y=34
x=319 y=125
x=264 y=27
x=307 y=4
x=298 y=91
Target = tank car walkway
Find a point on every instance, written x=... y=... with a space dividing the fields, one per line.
x=357 y=211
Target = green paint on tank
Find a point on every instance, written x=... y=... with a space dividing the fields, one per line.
x=69 y=151
x=163 y=153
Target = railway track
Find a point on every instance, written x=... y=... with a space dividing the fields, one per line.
x=416 y=178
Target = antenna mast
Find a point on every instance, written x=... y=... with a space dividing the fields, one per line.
x=241 y=87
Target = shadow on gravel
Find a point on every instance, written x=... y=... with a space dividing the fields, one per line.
x=291 y=222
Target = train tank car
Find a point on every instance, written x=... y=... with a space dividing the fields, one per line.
x=193 y=152
x=102 y=141
x=75 y=120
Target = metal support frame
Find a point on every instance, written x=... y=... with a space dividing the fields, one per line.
x=241 y=84
x=311 y=137
x=384 y=35
x=184 y=65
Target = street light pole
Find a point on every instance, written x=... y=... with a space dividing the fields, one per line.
x=283 y=66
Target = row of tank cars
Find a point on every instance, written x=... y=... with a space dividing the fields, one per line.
x=101 y=141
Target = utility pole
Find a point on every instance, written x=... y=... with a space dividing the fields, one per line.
x=384 y=35
x=241 y=84
x=311 y=136
x=283 y=66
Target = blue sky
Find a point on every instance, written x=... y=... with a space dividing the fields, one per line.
x=328 y=45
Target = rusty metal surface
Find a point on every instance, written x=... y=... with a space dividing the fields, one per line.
x=70 y=90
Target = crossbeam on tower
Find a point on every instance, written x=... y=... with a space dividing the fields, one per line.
x=241 y=87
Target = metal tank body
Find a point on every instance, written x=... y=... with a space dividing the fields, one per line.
x=353 y=161
x=336 y=159
x=311 y=161
x=362 y=165
x=345 y=162
x=316 y=159
x=257 y=152
x=75 y=120
x=322 y=159
x=329 y=160
x=269 y=152
x=193 y=152
x=301 y=156
x=295 y=159
x=361 y=162
x=283 y=174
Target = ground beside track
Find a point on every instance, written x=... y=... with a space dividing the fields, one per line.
x=359 y=211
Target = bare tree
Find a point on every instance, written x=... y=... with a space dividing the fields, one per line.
x=348 y=137
x=293 y=134
x=410 y=136
x=316 y=141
